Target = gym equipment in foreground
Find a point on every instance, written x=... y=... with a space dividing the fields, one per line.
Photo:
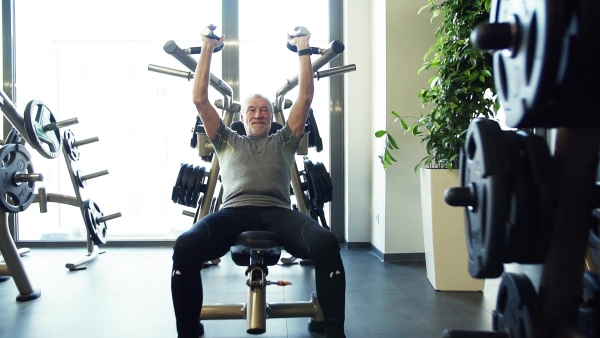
x=524 y=203
x=16 y=194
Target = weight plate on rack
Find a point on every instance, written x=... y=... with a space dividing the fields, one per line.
x=38 y=117
x=484 y=172
x=69 y=144
x=517 y=307
x=325 y=179
x=91 y=215
x=183 y=187
x=531 y=202
x=15 y=196
x=314 y=137
x=191 y=187
x=527 y=73
x=313 y=188
x=199 y=187
x=177 y=186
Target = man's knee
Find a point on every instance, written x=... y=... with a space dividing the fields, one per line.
x=326 y=243
x=186 y=251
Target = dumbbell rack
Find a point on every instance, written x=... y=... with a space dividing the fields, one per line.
x=96 y=234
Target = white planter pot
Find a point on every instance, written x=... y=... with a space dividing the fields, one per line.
x=446 y=253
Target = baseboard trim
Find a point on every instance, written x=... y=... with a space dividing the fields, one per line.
x=358 y=245
x=394 y=257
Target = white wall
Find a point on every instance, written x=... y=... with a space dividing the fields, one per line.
x=357 y=121
x=393 y=37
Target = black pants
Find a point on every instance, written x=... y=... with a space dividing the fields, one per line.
x=212 y=236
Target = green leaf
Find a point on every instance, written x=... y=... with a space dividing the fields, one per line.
x=396 y=114
x=389 y=155
x=393 y=143
x=380 y=133
x=404 y=124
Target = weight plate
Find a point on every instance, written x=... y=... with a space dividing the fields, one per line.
x=91 y=215
x=38 y=118
x=321 y=183
x=314 y=137
x=69 y=144
x=80 y=182
x=191 y=186
x=527 y=73
x=15 y=196
x=530 y=199
x=183 y=188
x=177 y=186
x=517 y=307
x=313 y=189
x=326 y=179
x=200 y=187
x=485 y=169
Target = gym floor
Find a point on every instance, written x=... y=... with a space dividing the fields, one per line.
x=125 y=293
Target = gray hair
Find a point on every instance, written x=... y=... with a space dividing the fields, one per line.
x=245 y=104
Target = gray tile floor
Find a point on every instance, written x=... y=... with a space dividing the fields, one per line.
x=126 y=293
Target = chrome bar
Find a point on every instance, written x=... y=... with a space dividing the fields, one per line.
x=86 y=141
x=60 y=124
x=171 y=71
x=223 y=311
x=335 y=49
x=335 y=71
x=109 y=217
x=221 y=86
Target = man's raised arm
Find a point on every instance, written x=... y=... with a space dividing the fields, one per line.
x=299 y=112
x=208 y=114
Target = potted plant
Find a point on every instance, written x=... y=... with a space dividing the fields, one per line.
x=461 y=89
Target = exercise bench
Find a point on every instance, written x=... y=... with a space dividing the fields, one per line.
x=258 y=250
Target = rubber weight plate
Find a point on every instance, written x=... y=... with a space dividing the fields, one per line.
x=313 y=188
x=314 y=137
x=91 y=215
x=484 y=192
x=325 y=179
x=183 y=187
x=526 y=70
x=200 y=186
x=15 y=196
x=517 y=307
x=37 y=118
x=531 y=199
x=69 y=144
x=191 y=186
x=177 y=186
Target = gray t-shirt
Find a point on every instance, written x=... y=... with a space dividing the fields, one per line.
x=255 y=171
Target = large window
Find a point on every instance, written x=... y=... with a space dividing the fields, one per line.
x=90 y=60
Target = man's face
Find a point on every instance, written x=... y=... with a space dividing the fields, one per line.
x=257 y=117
